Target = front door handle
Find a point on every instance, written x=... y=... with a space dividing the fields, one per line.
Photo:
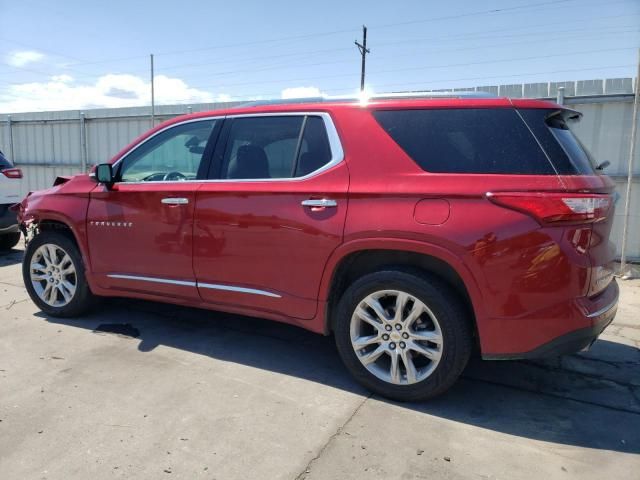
x=175 y=201
x=319 y=203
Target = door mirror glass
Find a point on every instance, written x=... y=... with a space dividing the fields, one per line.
x=104 y=173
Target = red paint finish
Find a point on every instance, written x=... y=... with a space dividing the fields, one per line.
x=528 y=281
x=131 y=232
x=432 y=211
x=258 y=235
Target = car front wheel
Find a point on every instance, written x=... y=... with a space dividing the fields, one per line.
x=402 y=334
x=53 y=274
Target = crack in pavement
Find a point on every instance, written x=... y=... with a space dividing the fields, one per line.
x=307 y=468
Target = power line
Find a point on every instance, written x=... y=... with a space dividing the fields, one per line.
x=255 y=96
x=328 y=33
x=288 y=65
x=343 y=75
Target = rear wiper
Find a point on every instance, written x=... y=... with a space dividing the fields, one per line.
x=603 y=165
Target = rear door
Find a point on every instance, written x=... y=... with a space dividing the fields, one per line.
x=272 y=213
x=140 y=230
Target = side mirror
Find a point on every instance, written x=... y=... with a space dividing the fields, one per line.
x=104 y=174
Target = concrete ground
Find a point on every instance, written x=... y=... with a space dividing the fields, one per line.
x=144 y=390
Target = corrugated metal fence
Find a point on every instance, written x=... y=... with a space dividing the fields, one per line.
x=48 y=144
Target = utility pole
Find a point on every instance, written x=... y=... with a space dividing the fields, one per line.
x=363 y=52
x=632 y=154
x=153 y=99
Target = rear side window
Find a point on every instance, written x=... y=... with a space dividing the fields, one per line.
x=466 y=140
x=552 y=128
x=4 y=163
x=315 y=151
x=264 y=147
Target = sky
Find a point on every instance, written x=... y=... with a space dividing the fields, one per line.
x=75 y=54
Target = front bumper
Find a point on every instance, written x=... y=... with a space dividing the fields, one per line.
x=8 y=220
x=597 y=314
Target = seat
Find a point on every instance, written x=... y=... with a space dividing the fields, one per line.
x=251 y=162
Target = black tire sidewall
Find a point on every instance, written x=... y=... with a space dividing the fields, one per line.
x=82 y=297
x=446 y=306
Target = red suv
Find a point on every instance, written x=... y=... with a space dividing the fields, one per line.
x=414 y=230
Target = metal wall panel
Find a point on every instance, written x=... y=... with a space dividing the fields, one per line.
x=633 y=239
x=48 y=144
x=605 y=129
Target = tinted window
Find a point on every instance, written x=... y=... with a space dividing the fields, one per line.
x=174 y=154
x=466 y=140
x=4 y=163
x=552 y=128
x=315 y=151
x=275 y=147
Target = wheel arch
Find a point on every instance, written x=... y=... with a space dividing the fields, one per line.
x=54 y=221
x=358 y=258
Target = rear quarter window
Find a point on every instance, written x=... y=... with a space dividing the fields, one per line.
x=494 y=141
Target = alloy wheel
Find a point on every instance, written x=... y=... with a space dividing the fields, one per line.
x=396 y=337
x=53 y=275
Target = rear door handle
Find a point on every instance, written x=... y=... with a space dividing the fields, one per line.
x=175 y=201
x=319 y=203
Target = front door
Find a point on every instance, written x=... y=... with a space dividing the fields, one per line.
x=140 y=230
x=272 y=215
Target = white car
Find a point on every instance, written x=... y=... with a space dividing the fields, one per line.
x=10 y=181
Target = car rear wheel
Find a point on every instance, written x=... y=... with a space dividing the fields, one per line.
x=402 y=334
x=53 y=274
x=9 y=240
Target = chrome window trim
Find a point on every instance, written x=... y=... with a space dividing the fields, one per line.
x=168 y=127
x=337 y=152
x=184 y=283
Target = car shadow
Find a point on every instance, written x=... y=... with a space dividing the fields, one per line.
x=485 y=397
x=11 y=257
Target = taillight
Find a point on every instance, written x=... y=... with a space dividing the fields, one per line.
x=12 y=172
x=553 y=208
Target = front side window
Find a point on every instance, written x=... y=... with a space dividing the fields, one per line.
x=265 y=147
x=172 y=155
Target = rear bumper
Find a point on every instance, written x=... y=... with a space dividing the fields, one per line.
x=596 y=314
x=8 y=220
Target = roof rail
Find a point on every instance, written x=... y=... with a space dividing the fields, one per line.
x=438 y=94
x=374 y=96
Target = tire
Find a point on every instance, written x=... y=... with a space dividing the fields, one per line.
x=9 y=240
x=38 y=251
x=445 y=320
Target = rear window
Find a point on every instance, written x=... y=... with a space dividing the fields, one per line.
x=552 y=128
x=4 y=163
x=466 y=140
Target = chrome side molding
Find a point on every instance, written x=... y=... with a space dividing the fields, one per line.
x=213 y=286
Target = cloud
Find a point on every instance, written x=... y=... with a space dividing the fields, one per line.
x=22 y=58
x=301 y=92
x=62 y=78
x=62 y=92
